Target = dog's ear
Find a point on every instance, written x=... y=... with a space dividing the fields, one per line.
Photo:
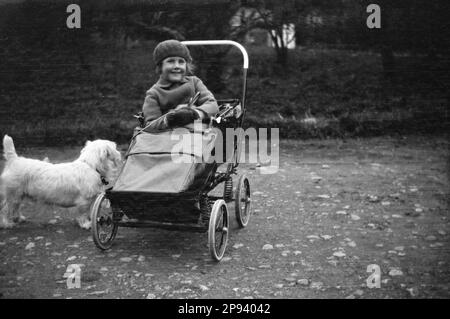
x=113 y=153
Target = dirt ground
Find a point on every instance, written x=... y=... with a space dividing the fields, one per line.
x=334 y=208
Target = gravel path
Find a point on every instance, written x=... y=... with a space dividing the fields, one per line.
x=334 y=208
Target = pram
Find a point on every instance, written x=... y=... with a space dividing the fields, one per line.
x=154 y=190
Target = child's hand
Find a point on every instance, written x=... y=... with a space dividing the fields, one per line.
x=181 y=117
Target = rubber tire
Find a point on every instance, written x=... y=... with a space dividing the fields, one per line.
x=242 y=217
x=95 y=227
x=218 y=210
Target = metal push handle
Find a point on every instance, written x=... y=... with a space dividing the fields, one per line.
x=244 y=87
x=222 y=42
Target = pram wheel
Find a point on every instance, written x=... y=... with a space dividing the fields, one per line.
x=242 y=201
x=104 y=229
x=218 y=229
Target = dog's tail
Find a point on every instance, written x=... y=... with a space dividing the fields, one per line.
x=9 y=151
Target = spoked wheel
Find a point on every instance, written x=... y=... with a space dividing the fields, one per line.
x=104 y=229
x=218 y=229
x=242 y=201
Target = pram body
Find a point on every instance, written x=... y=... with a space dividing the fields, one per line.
x=168 y=176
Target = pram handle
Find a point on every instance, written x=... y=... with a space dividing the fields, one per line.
x=222 y=42
x=244 y=84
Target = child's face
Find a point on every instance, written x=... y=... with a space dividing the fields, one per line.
x=173 y=69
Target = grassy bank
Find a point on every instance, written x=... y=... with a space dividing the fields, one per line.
x=49 y=99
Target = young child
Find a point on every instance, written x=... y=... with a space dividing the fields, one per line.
x=166 y=102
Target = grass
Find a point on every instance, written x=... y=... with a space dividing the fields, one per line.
x=52 y=99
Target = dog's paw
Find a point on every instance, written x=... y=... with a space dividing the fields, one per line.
x=84 y=222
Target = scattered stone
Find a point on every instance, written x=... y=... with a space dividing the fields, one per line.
x=264 y=266
x=355 y=217
x=237 y=246
x=442 y=232
x=395 y=272
x=316 y=285
x=176 y=256
x=98 y=293
x=126 y=259
x=341 y=212
x=267 y=247
x=151 y=296
x=399 y=248
x=326 y=237
x=350 y=297
x=359 y=292
x=203 y=287
x=386 y=203
x=339 y=254
x=225 y=259
x=351 y=244
x=290 y=279
x=430 y=238
x=396 y=216
x=303 y=282
x=279 y=245
x=30 y=246
x=297 y=252
x=278 y=286
x=71 y=258
x=285 y=253
x=52 y=221
x=414 y=292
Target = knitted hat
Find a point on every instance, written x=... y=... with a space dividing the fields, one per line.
x=169 y=48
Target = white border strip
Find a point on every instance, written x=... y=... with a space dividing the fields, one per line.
x=221 y=42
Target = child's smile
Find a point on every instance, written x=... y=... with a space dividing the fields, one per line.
x=173 y=69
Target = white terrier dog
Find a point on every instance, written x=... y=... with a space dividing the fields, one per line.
x=74 y=184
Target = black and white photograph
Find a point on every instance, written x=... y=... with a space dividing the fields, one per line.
x=244 y=151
